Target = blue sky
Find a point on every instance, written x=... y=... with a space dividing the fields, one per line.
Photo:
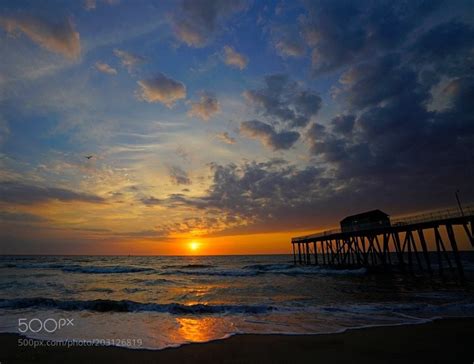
x=213 y=118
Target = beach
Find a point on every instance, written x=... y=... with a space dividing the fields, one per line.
x=440 y=341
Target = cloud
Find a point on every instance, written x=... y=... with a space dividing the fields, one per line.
x=58 y=37
x=151 y=201
x=195 y=22
x=128 y=60
x=446 y=47
x=394 y=138
x=24 y=194
x=92 y=4
x=370 y=83
x=341 y=32
x=264 y=196
x=267 y=134
x=234 y=59
x=226 y=138
x=20 y=217
x=206 y=107
x=4 y=130
x=105 y=68
x=461 y=93
x=343 y=124
x=178 y=176
x=287 y=41
x=162 y=89
x=290 y=48
x=284 y=101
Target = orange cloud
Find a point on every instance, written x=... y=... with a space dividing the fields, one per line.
x=61 y=38
x=206 y=107
x=105 y=68
x=129 y=60
x=162 y=89
x=235 y=59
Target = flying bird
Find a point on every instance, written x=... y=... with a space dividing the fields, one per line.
x=89 y=156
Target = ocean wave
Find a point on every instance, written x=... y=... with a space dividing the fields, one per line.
x=130 y=306
x=152 y=282
x=260 y=269
x=101 y=289
x=291 y=269
x=461 y=308
x=34 y=265
x=105 y=269
x=211 y=272
x=188 y=266
x=269 y=267
x=77 y=268
x=133 y=290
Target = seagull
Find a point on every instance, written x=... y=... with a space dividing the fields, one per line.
x=89 y=156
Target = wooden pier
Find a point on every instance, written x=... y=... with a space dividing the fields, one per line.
x=402 y=244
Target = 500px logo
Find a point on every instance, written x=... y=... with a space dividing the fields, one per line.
x=49 y=325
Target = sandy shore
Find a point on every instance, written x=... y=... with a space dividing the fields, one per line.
x=441 y=341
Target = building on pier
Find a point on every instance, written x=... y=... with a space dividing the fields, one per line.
x=364 y=221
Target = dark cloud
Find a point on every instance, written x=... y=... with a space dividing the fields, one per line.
x=284 y=101
x=372 y=82
x=461 y=93
x=20 y=217
x=343 y=124
x=277 y=196
x=178 y=175
x=256 y=192
x=25 y=194
x=286 y=106
x=340 y=32
x=267 y=134
x=396 y=139
x=447 y=47
x=196 y=21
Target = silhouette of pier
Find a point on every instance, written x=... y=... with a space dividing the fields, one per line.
x=399 y=243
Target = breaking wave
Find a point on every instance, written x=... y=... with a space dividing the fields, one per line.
x=105 y=269
x=259 y=269
x=130 y=306
x=77 y=268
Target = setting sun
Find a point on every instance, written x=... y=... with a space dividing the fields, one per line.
x=194 y=246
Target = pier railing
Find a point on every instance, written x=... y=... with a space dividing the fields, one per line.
x=433 y=216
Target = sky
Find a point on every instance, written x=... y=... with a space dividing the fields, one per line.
x=231 y=124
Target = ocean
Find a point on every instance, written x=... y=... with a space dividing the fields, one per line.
x=158 y=302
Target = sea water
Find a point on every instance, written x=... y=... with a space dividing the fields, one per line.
x=158 y=302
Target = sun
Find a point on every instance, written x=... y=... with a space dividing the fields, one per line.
x=194 y=246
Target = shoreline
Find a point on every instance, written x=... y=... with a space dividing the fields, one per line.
x=440 y=340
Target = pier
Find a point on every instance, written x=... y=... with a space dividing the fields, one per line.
x=401 y=243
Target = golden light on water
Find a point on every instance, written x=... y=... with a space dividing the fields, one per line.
x=202 y=329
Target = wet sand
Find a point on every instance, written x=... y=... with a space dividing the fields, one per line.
x=441 y=341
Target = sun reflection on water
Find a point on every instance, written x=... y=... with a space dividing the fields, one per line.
x=200 y=330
